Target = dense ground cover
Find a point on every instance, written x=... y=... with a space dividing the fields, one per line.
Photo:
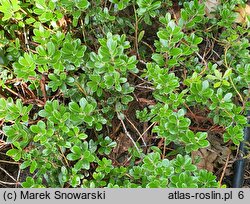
x=126 y=93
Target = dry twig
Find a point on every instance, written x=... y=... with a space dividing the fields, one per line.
x=8 y=174
x=224 y=169
x=138 y=132
x=127 y=133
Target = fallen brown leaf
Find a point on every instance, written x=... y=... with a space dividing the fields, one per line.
x=207 y=159
x=211 y=6
x=242 y=13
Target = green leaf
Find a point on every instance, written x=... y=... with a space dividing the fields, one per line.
x=92 y=85
x=126 y=99
x=25 y=164
x=51 y=48
x=111 y=44
x=26 y=61
x=33 y=166
x=35 y=128
x=227 y=105
x=88 y=119
x=227 y=97
x=15 y=154
x=88 y=109
x=74 y=107
x=175 y=51
x=184 y=14
x=218 y=74
x=227 y=73
x=83 y=102
x=217 y=84
x=109 y=81
x=205 y=85
x=75 y=181
x=76 y=150
x=64 y=170
x=82 y=4
x=140 y=36
x=197 y=40
x=79 y=165
x=225 y=82
x=159 y=59
x=163 y=35
x=29 y=182
x=73 y=157
x=82 y=136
